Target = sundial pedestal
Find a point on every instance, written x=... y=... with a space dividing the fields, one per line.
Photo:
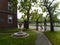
x=20 y=34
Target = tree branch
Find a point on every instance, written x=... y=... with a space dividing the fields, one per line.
x=51 y=3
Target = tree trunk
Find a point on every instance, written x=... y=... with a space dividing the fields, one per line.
x=28 y=19
x=25 y=24
x=51 y=18
x=51 y=21
x=45 y=24
x=37 y=24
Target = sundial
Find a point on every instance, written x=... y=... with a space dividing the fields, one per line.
x=20 y=34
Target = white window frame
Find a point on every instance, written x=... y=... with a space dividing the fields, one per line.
x=9 y=5
x=10 y=18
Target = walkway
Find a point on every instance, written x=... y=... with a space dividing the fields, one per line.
x=41 y=39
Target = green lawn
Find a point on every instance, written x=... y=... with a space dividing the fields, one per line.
x=6 y=39
x=9 y=30
x=54 y=37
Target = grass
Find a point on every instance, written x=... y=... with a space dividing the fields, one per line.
x=9 y=30
x=6 y=39
x=54 y=37
x=13 y=30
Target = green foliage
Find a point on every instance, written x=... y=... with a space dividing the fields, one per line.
x=54 y=7
x=35 y=16
x=48 y=18
x=46 y=4
x=25 y=7
x=55 y=18
x=26 y=30
x=41 y=19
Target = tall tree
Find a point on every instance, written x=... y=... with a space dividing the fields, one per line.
x=25 y=6
x=51 y=7
x=35 y=17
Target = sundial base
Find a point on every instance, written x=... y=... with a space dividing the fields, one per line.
x=20 y=35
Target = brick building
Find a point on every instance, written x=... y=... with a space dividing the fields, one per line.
x=8 y=17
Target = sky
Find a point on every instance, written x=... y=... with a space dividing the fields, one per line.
x=19 y=14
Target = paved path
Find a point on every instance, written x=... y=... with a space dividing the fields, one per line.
x=41 y=39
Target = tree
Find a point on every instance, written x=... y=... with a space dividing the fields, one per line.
x=35 y=17
x=51 y=7
x=25 y=7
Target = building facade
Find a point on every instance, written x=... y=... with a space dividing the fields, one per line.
x=8 y=17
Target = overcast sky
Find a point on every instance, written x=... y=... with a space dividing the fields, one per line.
x=20 y=14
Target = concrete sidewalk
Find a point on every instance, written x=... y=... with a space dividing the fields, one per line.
x=41 y=39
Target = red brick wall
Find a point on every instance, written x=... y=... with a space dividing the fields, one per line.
x=4 y=7
x=3 y=4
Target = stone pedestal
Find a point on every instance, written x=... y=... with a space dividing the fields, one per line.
x=20 y=35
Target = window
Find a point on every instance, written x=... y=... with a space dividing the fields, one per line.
x=9 y=18
x=9 y=6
